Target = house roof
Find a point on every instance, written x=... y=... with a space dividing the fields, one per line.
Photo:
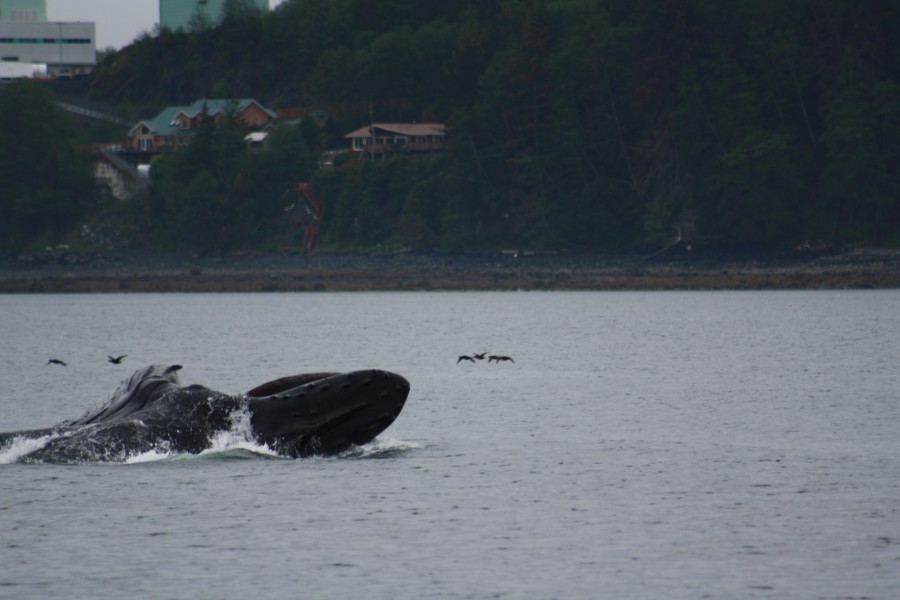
x=162 y=124
x=165 y=122
x=410 y=129
x=216 y=106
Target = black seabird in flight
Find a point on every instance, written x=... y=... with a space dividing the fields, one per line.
x=499 y=359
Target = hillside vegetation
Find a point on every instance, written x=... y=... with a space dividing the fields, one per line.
x=595 y=124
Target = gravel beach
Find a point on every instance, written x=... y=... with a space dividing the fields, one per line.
x=62 y=270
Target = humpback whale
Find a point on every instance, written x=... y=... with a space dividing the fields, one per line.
x=296 y=416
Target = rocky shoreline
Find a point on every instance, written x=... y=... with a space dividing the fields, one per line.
x=64 y=271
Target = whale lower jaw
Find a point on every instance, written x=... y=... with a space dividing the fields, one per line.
x=328 y=415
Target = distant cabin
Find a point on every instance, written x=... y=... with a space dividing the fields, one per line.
x=381 y=139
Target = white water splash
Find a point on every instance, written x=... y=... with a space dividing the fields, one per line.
x=22 y=446
x=149 y=456
x=239 y=437
x=380 y=448
x=236 y=442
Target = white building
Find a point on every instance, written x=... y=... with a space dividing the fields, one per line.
x=23 y=10
x=68 y=49
x=184 y=14
x=17 y=70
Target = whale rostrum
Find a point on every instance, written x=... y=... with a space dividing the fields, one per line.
x=295 y=416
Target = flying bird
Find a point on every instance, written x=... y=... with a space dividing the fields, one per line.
x=479 y=356
x=464 y=357
x=116 y=359
x=499 y=359
x=56 y=361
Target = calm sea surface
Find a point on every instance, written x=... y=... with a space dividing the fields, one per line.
x=643 y=445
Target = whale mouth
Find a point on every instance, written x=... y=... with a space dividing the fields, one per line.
x=303 y=415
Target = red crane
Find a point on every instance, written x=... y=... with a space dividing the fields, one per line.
x=314 y=210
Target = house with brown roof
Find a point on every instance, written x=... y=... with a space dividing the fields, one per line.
x=380 y=139
x=175 y=126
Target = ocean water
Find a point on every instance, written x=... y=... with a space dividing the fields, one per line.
x=642 y=445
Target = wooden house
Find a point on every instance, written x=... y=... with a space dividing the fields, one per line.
x=175 y=126
x=381 y=139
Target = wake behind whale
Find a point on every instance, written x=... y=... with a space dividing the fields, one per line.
x=296 y=416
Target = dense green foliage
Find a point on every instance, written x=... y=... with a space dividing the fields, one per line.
x=597 y=124
x=216 y=195
x=44 y=184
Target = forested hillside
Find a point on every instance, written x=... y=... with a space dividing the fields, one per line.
x=601 y=124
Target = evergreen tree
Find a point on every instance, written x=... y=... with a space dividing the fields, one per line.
x=45 y=184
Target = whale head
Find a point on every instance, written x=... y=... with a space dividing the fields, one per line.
x=309 y=414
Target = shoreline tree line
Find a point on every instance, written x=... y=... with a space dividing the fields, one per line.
x=588 y=124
